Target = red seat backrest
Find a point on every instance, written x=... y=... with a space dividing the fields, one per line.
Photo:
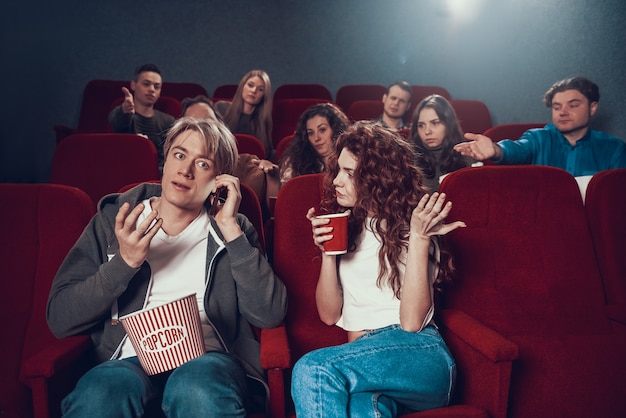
x=365 y=110
x=302 y=91
x=297 y=261
x=510 y=130
x=473 y=115
x=282 y=146
x=420 y=92
x=251 y=207
x=527 y=269
x=224 y=92
x=39 y=224
x=523 y=244
x=98 y=96
x=181 y=90
x=350 y=93
x=250 y=144
x=100 y=164
x=605 y=204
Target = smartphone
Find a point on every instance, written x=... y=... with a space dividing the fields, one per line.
x=219 y=198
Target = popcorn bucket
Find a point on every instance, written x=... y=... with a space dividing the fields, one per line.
x=166 y=336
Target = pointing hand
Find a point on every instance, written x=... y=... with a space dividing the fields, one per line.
x=128 y=105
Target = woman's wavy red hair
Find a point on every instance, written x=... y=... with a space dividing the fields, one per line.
x=388 y=186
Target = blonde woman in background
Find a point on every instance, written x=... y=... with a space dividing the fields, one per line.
x=250 y=111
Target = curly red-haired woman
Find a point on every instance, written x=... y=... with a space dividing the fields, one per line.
x=381 y=290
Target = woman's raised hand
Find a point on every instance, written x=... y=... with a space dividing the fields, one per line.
x=427 y=218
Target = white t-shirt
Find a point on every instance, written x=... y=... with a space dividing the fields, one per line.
x=365 y=305
x=178 y=265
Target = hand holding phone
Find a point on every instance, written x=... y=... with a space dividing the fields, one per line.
x=225 y=205
x=218 y=200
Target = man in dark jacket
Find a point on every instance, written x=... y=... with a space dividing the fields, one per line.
x=137 y=114
x=155 y=244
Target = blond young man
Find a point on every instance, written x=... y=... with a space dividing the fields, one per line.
x=157 y=243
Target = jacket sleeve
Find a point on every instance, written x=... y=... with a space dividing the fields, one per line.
x=619 y=156
x=521 y=151
x=121 y=122
x=88 y=282
x=262 y=297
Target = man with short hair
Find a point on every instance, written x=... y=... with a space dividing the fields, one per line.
x=155 y=244
x=566 y=143
x=199 y=107
x=137 y=114
x=396 y=102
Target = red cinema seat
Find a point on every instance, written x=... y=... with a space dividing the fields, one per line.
x=365 y=110
x=350 y=93
x=250 y=144
x=473 y=115
x=605 y=204
x=39 y=226
x=526 y=267
x=100 y=164
x=302 y=91
x=484 y=358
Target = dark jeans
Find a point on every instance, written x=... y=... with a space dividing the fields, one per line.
x=213 y=385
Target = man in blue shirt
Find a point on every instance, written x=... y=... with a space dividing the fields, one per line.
x=566 y=143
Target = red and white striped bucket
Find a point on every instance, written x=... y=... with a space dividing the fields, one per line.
x=166 y=336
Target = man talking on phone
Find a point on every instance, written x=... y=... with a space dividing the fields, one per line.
x=157 y=243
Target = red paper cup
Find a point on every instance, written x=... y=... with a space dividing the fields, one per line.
x=166 y=336
x=339 y=243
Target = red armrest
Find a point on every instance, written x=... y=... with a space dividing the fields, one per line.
x=275 y=358
x=53 y=371
x=54 y=357
x=484 y=361
x=275 y=353
x=480 y=337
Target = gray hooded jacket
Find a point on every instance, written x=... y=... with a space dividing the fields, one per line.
x=241 y=288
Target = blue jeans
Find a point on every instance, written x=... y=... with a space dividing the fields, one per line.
x=213 y=385
x=383 y=373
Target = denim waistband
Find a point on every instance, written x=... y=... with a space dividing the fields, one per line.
x=430 y=328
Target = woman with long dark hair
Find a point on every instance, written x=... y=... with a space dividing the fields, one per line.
x=311 y=148
x=435 y=130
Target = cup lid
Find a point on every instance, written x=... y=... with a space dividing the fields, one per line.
x=334 y=215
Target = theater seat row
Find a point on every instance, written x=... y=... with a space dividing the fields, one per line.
x=536 y=317
x=100 y=96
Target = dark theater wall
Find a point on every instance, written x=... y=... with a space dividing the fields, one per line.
x=503 y=52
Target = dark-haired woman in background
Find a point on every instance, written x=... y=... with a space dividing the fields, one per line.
x=312 y=145
x=435 y=130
